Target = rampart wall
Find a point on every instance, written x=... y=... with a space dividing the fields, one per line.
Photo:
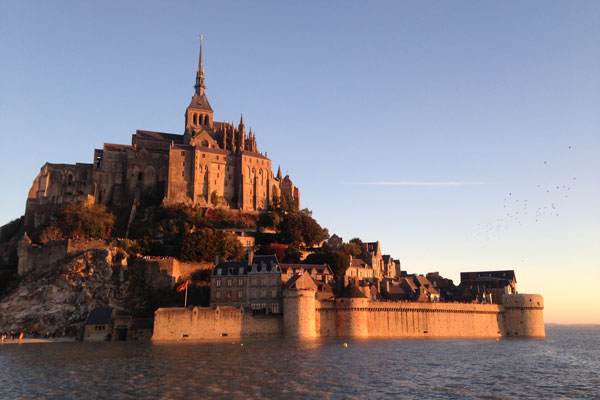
x=203 y=323
x=520 y=315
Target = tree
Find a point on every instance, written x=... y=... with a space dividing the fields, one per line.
x=312 y=233
x=85 y=220
x=206 y=243
x=291 y=229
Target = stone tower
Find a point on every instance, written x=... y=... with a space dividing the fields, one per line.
x=299 y=307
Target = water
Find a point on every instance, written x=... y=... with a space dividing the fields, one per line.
x=564 y=365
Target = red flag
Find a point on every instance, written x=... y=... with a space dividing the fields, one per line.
x=182 y=287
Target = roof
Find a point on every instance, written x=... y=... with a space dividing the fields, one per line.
x=358 y=263
x=351 y=292
x=301 y=281
x=270 y=263
x=116 y=147
x=170 y=137
x=200 y=102
x=99 y=316
x=322 y=268
x=254 y=154
x=501 y=274
x=230 y=268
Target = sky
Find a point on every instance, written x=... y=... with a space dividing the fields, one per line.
x=462 y=135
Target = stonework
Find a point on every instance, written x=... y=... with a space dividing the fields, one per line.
x=212 y=164
x=355 y=317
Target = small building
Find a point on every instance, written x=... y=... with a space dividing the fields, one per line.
x=99 y=324
x=255 y=284
x=483 y=286
x=319 y=272
x=357 y=271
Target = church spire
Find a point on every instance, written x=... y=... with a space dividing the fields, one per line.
x=200 y=73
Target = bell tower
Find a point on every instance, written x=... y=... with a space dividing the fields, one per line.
x=199 y=114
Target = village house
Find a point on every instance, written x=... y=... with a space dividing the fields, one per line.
x=488 y=286
x=255 y=284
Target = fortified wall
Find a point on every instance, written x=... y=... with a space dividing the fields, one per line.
x=519 y=315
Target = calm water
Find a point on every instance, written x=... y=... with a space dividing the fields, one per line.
x=564 y=365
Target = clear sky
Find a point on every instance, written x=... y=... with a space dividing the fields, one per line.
x=463 y=135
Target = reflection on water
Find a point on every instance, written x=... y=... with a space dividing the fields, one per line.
x=566 y=364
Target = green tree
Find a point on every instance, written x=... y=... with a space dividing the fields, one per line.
x=206 y=243
x=85 y=220
x=312 y=233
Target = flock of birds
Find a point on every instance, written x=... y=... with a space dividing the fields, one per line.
x=517 y=210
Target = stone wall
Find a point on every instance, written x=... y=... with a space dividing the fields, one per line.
x=207 y=323
x=164 y=272
x=411 y=319
x=39 y=258
x=521 y=315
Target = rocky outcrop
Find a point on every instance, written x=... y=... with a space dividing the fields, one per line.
x=59 y=295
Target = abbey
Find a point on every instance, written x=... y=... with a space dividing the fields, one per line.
x=212 y=164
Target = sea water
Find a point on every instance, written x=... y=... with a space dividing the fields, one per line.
x=566 y=364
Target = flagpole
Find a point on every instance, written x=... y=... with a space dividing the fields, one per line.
x=185 y=303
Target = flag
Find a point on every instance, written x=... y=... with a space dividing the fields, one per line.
x=182 y=287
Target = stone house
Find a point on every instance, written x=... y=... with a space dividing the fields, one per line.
x=99 y=324
x=255 y=284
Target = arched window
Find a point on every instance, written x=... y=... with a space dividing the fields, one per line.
x=195 y=119
x=206 y=120
x=204 y=143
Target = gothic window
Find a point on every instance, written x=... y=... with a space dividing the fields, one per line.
x=195 y=119
x=206 y=120
x=205 y=143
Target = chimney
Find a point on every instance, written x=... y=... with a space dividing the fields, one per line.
x=250 y=256
x=217 y=260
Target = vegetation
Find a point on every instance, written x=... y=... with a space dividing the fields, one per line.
x=12 y=228
x=206 y=243
x=80 y=220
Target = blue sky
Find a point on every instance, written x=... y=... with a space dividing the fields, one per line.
x=352 y=99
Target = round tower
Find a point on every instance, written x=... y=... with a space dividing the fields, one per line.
x=299 y=313
x=523 y=315
x=351 y=313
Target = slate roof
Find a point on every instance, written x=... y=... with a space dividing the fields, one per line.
x=502 y=274
x=321 y=268
x=99 y=316
x=116 y=147
x=352 y=292
x=200 y=102
x=230 y=268
x=270 y=263
x=170 y=137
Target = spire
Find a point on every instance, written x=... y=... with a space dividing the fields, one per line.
x=242 y=119
x=279 y=173
x=200 y=73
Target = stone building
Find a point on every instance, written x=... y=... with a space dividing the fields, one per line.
x=255 y=285
x=212 y=164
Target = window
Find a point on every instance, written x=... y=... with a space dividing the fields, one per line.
x=218 y=282
x=240 y=294
x=203 y=155
x=240 y=282
x=183 y=153
x=217 y=295
x=217 y=157
x=229 y=282
x=263 y=292
x=273 y=293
